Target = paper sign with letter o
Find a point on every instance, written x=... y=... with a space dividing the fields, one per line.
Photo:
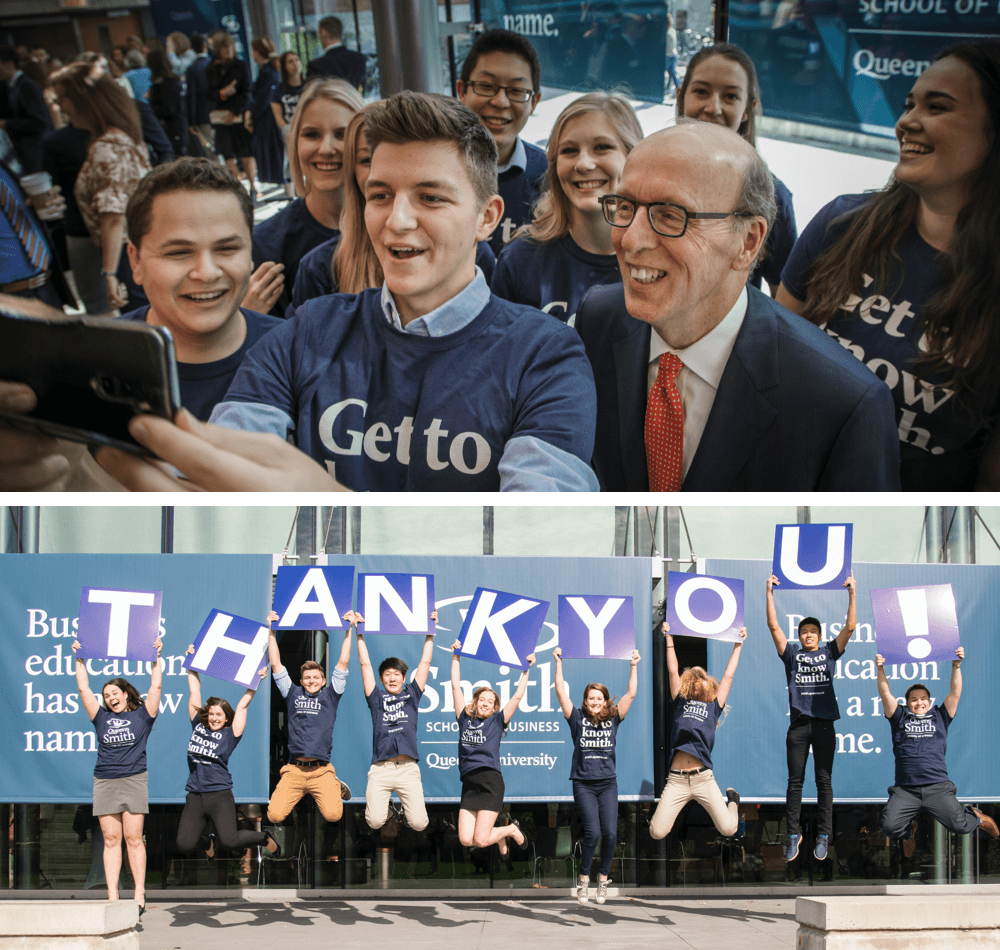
x=502 y=628
x=229 y=648
x=396 y=603
x=596 y=625
x=118 y=623
x=312 y=598
x=703 y=606
x=812 y=556
x=915 y=623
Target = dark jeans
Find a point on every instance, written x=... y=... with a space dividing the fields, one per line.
x=907 y=801
x=821 y=735
x=597 y=803
x=221 y=808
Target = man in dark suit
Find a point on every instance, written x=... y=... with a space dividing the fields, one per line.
x=198 y=106
x=703 y=383
x=27 y=117
x=337 y=60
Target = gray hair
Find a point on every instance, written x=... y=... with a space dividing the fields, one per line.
x=134 y=59
x=756 y=196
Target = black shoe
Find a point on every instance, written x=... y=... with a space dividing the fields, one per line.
x=733 y=796
x=345 y=792
x=270 y=837
x=142 y=909
x=210 y=851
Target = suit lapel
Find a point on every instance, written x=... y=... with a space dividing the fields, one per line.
x=631 y=356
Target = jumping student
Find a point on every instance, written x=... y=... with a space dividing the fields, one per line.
x=809 y=668
x=919 y=742
x=312 y=713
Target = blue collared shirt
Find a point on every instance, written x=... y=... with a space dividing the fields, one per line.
x=450 y=317
x=518 y=160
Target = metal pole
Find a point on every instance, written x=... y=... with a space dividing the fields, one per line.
x=803 y=515
x=488 y=526
x=167 y=530
x=387 y=46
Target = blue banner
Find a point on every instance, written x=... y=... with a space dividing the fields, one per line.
x=49 y=746
x=203 y=16
x=749 y=752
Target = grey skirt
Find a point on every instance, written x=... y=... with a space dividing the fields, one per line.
x=112 y=796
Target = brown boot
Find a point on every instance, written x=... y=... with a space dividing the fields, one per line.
x=988 y=824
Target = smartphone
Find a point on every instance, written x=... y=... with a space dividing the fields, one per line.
x=91 y=375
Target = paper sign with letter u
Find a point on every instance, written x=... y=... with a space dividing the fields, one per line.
x=596 y=625
x=396 y=603
x=915 y=623
x=502 y=628
x=812 y=556
x=229 y=648
x=312 y=598
x=118 y=623
x=703 y=606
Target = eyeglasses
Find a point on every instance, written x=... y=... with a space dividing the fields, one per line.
x=488 y=90
x=665 y=218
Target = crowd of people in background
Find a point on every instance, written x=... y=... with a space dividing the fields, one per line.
x=582 y=318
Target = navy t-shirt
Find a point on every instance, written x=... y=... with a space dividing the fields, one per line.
x=121 y=742
x=208 y=758
x=919 y=744
x=593 y=747
x=810 y=680
x=287 y=100
x=552 y=277
x=780 y=239
x=479 y=742
x=204 y=384
x=311 y=719
x=519 y=189
x=693 y=729
x=394 y=722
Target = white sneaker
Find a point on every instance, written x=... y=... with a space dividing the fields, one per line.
x=583 y=890
x=602 y=890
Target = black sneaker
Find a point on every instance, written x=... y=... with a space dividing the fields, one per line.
x=733 y=796
x=345 y=792
x=277 y=852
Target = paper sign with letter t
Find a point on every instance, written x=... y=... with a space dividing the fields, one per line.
x=229 y=648
x=502 y=628
x=915 y=623
x=812 y=556
x=118 y=623
x=596 y=625
x=703 y=606
x=396 y=603
x=312 y=598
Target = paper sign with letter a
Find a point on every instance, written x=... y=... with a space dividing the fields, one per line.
x=396 y=603
x=229 y=648
x=596 y=625
x=118 y=623
x=312 y=598
x=915 y=623
x=703 y=606
x=812 y=556
x=502 y=628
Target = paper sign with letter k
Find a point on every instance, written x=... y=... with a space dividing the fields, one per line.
x=502 y=628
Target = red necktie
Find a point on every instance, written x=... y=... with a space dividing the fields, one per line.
x=665 y=428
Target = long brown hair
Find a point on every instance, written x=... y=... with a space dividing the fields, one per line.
x=960 y=324
x=202 y=711
x=264 y=48
x=610 y=709
x=99 y=103
x=748 y=126
x=132 y=698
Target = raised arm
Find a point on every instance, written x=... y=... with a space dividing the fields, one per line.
x=852 y=615
x=273 y=653
x=522 y=685
x=87 y=697
x=456 y=679
x=889 y=703
x=955 y=693
x=345 y=648
x=194 y=688
x=727 y=677
x=240 y=714
x=424 y=666
x=672 y=671
x=625 y=703
x=562 y=694
x=772 y=618
x=367 y=673
x=155 y=683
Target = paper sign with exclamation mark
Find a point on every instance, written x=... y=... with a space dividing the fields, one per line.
x=916 y=623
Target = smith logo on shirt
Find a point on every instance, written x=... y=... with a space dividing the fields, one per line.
x=920 y=727
x=596 y=737
x=122 y=734
x=473 y=735
x=203 y=744
x=306 y=706
x=394 y=711
x=695 y=710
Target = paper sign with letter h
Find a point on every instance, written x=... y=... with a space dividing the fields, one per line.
x=916 y=623
x=502 y=628
x=703 y=606
x=596 y=625
x=229 y=648
x=312 y=598
x=812 y=556
x=396 y=603
x=118 y=623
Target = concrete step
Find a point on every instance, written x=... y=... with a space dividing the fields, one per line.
x=69 y=925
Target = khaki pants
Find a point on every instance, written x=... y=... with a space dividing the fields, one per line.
x=679 y=790
x=296 y=780
x=403 y=778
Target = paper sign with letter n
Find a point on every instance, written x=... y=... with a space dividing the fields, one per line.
x=703 y=606
x=596 y=625
x=118 y=623
x=229 y=648
x=312 y=598
x=812 y=556
x=396 y=603
x=915 y=623
x=502 y=628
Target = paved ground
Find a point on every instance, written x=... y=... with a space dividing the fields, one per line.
x=766 y=924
